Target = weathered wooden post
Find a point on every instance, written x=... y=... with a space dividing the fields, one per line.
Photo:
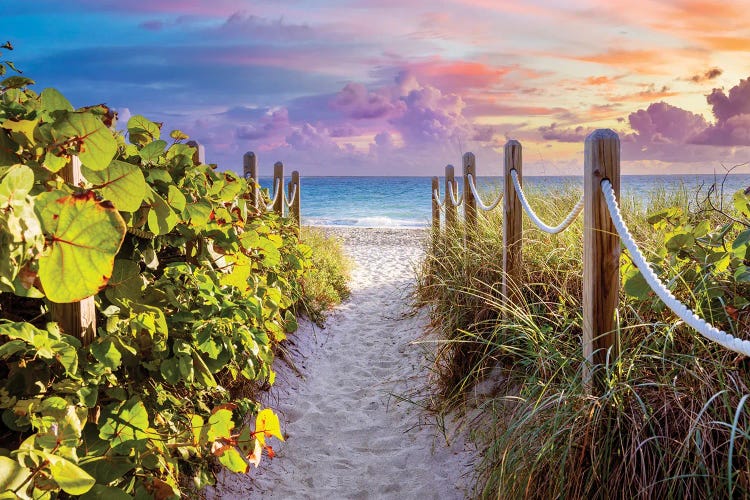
x=77 y=319
x=451 y=211
x=278 y=184
x=200 y=152
x=435 y=212
x=470 y=203
x=512 y=223
x=250 y=172
x=294 y=207
x=601 y=254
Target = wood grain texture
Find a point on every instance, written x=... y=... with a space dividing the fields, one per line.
x=512 y=223
x=78 y=318
x=601 y=253
x=278 y=181
x=295 y=208
x=470 y=203
x=250 y=172
x=451 y=212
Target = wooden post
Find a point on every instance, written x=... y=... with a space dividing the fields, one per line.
x=278 y=183
x=435 y=212
x=451 y=212
x=250 y=172
x=200 y=152
x=77 y=319
x=470 y=204
x=294 y=208
x=512 y=224
x=601 y=254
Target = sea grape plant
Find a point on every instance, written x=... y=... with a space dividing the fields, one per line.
x=193 y=287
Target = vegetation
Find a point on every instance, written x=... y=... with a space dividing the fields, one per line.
x=194 y=287
x=672 y=420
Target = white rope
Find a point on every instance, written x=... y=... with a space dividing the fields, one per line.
x=541 y=225
x=707 y=330
x=452 y=196
x=289 y=201
x=277 y=190
x=436 y=197
x=480 y=204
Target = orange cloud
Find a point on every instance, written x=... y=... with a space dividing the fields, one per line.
x=728 y=43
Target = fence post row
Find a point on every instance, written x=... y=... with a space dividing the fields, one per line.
x=601 y=254
x=512 y=223
x=451 y=211
x=470 y=204
x=250 y=172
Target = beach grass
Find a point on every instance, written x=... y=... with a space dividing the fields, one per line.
x=671 y=420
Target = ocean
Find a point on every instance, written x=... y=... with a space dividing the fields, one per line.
x=405 y=201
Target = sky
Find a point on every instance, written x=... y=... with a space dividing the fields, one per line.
x=404 y=87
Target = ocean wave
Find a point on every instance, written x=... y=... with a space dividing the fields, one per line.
x=374 y=222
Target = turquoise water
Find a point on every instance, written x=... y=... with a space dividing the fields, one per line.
x=405 y=201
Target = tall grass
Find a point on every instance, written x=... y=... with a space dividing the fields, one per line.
x=672 y=419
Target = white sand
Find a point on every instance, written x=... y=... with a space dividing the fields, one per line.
x=349 y=437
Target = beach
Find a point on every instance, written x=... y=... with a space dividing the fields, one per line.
x=350 y=433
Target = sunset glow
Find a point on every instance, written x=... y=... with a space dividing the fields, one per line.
x=369 y=87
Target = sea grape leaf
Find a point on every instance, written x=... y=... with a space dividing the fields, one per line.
x=84 y=236
x=161 y=218
x=126 y=280
x=16 y=82
x=230 y=458
x=175 y=198
x=125 y=424
x=153 y=150
x=71 y=478
x=12 y=474
x=198 y=213
x=635 y=284
x=101 y=492
x=108 y=468
x=53 y=100
x=142 y=130
x=219 y=425
x=267 y=425
x=106 y=353
x=741 y=201
x=122 y=183
x=99 y=144
x=16 y=183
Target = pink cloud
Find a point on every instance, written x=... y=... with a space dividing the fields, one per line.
x=732 y=112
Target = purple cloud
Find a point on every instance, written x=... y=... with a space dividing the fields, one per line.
x=662 y=123
x=356 y=102
x=732 y=112
x=553 y=133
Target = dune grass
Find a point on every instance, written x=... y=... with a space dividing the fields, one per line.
x=672 y=420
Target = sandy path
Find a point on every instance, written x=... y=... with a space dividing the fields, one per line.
x=348 y=436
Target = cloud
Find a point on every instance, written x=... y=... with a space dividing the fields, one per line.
x=707 y=75
x=356 y=102
x=552 y=133
x=273 y=123
x=732 y=112
x=662 y=123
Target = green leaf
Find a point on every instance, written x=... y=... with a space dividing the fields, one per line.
x=176 y=199
x=126 y=281
x=106 y=353
x=170 y=370
x=635 y=285
x=108 y=468
x=71 y=478
x=16 y=183
x=152 y=151
x=232 y=460
x=198 y=213
x=12 y=474
x=99 y=144
x=126 y=424
x=84 y=237
x=16 y=82
x=742 y=239
x=122 y=183
x=142 y=130
x=220 y=425
x=161 y=217
x=742 y=203
x=52 y=100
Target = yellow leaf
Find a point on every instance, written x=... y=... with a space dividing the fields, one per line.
x=267 y=425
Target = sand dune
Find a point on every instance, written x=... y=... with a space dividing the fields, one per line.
x=349 y=436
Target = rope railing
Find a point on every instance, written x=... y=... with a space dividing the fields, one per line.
x=276 y=194
x=452 y=197
x=480 y=204
x=292 y=196
x=533 y=216
x=681 y=310
x=436 y=198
